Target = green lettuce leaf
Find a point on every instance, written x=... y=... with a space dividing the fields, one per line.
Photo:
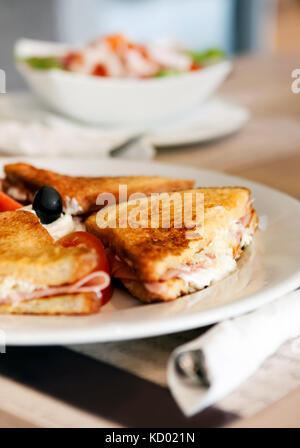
x=43 y=63
x=165 y=73
x=207 y=57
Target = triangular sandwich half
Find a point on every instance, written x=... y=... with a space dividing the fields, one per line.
x=79 y=194
x=38 y=276
x=163 y=264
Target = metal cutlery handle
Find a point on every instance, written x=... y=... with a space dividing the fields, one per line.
x=190 y=365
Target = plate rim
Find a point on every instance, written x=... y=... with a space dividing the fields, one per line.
x=159 y=140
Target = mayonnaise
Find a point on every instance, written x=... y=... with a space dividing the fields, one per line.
x=62 y=226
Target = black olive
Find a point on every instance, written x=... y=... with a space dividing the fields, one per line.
x=47 y=204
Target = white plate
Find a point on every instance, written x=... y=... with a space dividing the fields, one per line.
x=268 y=270
x=214 y=119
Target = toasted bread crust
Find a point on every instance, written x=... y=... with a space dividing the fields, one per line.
x=169 y=248
x=28 y=253
x=72 y=304
x=85 y=189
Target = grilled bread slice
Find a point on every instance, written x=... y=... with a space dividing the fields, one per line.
x=175 y=287
x=151 y=251
x=28 y=252
x=30 y=260
x=69 y=304
x=80 y=193
x=149 y=255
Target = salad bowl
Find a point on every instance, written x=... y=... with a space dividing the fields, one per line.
x=115 y=100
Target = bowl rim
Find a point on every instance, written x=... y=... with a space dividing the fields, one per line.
x=176 y=79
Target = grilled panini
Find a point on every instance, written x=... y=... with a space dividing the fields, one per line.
x=79 y=194
x=163 y=263
x=38 y=276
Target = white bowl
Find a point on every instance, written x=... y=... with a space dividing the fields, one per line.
x=116 y=101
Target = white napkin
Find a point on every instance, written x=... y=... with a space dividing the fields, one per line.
x=27 y=129
x=232 y=350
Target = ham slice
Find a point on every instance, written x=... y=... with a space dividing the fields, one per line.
x=157 y=288
x=119 y=269
x=246 y=219
x=186 y=269
x=91 y=283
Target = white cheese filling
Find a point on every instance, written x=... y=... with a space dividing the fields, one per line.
x=246 y=237
x=217 y=259
x=72 y=207
x=62 y=226
x=11 y=287
x=204 y=277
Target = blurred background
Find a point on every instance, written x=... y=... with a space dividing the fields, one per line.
x=236 y=25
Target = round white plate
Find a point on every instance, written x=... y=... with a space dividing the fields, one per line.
x=268 y=269
x=214 y=119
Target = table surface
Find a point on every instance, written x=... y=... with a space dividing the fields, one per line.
x=266 y=150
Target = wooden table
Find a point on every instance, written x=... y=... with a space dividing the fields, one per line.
x=267 y=150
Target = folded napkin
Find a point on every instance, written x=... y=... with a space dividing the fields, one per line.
x=28 y=129
x=230 y=352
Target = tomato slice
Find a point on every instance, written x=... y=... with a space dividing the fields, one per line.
x=90 y=241
x=7 y=203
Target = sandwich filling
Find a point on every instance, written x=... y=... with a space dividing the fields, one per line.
x=21 y=194
x=210 y=264
x=62 y=226
x=14 y=291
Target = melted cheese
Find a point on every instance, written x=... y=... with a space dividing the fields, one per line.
x=62 y=226
x=204 y=277
x=216 y=259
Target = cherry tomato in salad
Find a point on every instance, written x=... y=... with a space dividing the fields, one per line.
x=8 y=204
x=100 y=70
x=195 y=66
x=72 y=58
x=90 y=241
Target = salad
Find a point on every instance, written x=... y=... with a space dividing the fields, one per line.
x=115 y=56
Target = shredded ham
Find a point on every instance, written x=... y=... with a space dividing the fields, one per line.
x=246 y=219
x=94 y=282
x=187 y=269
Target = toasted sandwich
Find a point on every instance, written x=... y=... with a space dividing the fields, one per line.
x=162 y=264
x=80 y=194
x=38 y=276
